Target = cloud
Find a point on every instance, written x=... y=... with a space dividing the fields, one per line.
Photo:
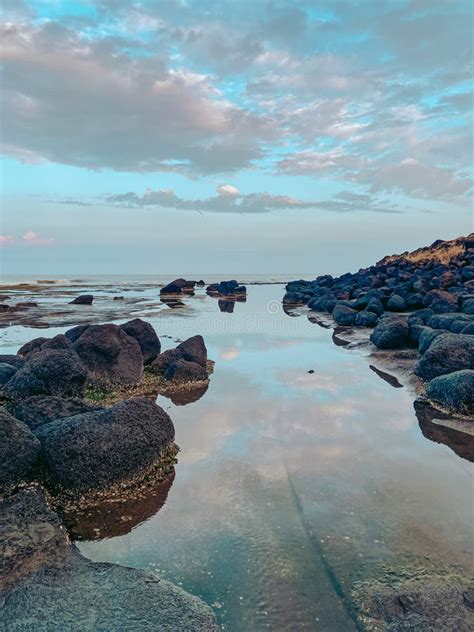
x=230 y=200
x=72 y=100
x=32 y=238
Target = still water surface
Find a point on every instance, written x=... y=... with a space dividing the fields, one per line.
x=292 y=488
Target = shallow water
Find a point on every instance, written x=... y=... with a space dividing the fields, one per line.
x=292 y=487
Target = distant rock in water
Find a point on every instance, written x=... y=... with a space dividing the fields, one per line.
x=226 y=289
x=85 y=299
x=178 y=286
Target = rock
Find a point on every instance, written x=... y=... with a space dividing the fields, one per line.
x=440 y=301
x=178 y=286
x=391 y=333
x=415 y=301
x=31 y=537
x=185 y=371
x=366 y=319
x=193 y=350
x=454 y=391
x=468 y=329
x=427 y=336
x=146 y=337
x=48 y=372
x=107 y=448
x=32 y=345
x=375 y=306
x=228 y=288
x=12 y=360
x=41 y=409
x=5 y=308
x=468 y=306
x=164 y=360
x=291 y=298
x=447 y=353
x=6 y=372
x=344 y=315
x=110 y=355
x=396 y=303
x=74 y=333
x=50 y=587
x=118 y=298
x=84 y=299
x=423 y=314
x=19 y=450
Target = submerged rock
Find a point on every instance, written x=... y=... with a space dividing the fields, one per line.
x=84 y=299
x=50 y=587
x=106 y=448
x=19 y=451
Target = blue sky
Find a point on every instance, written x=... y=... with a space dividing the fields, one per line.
x=186 y=137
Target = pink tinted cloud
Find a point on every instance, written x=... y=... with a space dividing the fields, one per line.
x=34 y=239
x=6 y=240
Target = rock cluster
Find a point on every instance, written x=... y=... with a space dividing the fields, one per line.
x=227 y=289
x=423 y=299
x=84 y=454
x=186 y=363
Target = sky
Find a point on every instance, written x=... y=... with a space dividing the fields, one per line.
x=246 y=137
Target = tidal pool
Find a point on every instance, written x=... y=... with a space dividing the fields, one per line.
x=292 y=489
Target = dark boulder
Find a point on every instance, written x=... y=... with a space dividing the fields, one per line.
x=6 y=372
x=447 y=353
x=74 y=333
x=110 y=355
x=48 y=372
x=32 y=345
x=171 y=288
x=421 y=314
x=414 y=301
x=375 y=306
x=391 y=333
x=105 y=448
x=468 y=306
x=84 y=299
x=440 y=301
x=41 y=409
x=454 y=391
x=49 y=586
x=344 y=315
x=366 y=319
x=468 y=329
x=12 y=360
x=146 y=337
x=185 y=371
x=164 y=360
x=396 y=303
x=19 y=451
x=427 y=336
x=193 y=350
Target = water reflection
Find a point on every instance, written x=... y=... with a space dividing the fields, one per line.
x=186 y=396
x=117 y=517
x=443 y=428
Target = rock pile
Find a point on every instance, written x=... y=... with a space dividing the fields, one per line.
x=423 y=299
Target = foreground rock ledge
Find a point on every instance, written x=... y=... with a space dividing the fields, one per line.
x=47 y=585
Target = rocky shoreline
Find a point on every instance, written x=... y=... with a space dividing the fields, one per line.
x=79 y=421
x=414 y=312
